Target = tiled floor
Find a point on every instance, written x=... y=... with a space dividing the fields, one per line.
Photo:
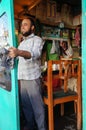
x=66 y=122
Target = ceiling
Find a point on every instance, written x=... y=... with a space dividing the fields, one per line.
x=19 y=5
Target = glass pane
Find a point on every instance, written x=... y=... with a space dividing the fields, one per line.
x=5 y=61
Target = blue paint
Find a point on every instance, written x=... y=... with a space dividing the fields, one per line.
x=84 y=64
x=9 y=101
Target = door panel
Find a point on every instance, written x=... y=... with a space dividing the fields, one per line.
x=83 y=64
x=9 y=101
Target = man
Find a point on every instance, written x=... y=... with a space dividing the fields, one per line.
x=29 y=52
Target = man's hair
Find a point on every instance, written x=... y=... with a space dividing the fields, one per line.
x=31 y=20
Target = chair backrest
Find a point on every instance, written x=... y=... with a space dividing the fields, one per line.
x=75 y=67
x=63 y=70
x=60 y=71
x=76 y=73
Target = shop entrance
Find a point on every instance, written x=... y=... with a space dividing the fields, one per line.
x=9 y=101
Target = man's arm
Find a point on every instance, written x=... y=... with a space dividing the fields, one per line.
x=14 y=52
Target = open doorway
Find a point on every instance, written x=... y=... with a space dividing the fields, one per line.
x=64 y=15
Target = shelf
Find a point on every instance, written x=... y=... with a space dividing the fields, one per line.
x=52 y=38
x=74 y=47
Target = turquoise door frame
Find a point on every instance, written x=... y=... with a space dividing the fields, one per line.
x=9 y=100
x=83 y=64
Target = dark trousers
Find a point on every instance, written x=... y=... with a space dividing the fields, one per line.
x=32 y=103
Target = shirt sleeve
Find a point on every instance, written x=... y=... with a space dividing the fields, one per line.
x=37 y=48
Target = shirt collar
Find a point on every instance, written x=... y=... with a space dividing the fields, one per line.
x=30 y=36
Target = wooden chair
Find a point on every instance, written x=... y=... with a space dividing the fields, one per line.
x=63 y=95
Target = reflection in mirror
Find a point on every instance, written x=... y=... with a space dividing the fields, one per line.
x=5 y=70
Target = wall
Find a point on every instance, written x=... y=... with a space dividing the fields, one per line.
x=51 y=13
x=77 y=20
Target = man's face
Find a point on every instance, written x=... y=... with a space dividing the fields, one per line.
x=26 y=27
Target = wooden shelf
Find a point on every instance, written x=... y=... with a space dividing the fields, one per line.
x=52 y=38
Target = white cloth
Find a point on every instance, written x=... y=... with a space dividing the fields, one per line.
x=29 y=69
x=72 y=84
x=69 y=52
x=53 y=49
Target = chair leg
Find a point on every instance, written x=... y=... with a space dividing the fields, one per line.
x=62 y=109
x=75 y=107
x=79 y=118
x=50 y=118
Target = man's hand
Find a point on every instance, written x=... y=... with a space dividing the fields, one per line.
x=13 y=52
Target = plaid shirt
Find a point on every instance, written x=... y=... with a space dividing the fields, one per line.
x=29 y=69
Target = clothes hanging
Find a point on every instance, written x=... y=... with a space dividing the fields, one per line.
x=77 y=37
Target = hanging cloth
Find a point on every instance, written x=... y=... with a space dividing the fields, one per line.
x=53 y=49
x=77 y=37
